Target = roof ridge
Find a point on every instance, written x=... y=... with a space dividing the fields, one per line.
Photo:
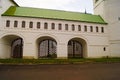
x=54 y=10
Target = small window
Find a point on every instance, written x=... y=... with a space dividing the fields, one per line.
x=38 y=25
x=102 y=29
x=59 y=26
x=15 y=23
x=85 y=28
x=31 y=25
x=53 y=26
x=8 y=23
x=79 y=27
x=23 y=24
x=91 y=28
x=45 y=25
x=73 y=27
x=97 y=29
x=104 y=49
x=66 y=26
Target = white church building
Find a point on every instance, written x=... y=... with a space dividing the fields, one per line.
x=37 y=33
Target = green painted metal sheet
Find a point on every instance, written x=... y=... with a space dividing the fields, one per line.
x=53 y=14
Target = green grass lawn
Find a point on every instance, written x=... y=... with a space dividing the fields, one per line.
x=59 y=61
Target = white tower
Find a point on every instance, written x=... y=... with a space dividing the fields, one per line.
x=4 y=5
x=109 y=10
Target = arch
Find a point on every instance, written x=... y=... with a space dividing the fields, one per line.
x=17 y=48
x=12 y=34
x=47 y=47
x=77 y=47
x=12 y=46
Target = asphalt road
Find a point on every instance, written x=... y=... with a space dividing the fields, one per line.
x=98 y=71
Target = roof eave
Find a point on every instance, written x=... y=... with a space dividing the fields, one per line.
x=57 y=19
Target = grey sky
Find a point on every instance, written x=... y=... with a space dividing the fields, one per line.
x=68 y=5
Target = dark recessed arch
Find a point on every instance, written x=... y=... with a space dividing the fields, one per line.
x=47 y=47
x=17 y=48
x=77 y=48
x=12 y=46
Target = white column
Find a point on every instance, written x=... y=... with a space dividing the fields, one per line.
x=61 y=50
x=5 y=49
x=29 y=50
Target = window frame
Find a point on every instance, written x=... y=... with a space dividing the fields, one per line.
x=7 y=23
x=38 y=25
x=79 y=27
x=59 y=26
x=73 y=27
x=91 y=28
x=45 y=25
x=66 y=27
x=15 y=23
x=97 y=29
x=85 y=28
x=102 y=29
x=31 y=24
x=52 y=26
x=23 y=24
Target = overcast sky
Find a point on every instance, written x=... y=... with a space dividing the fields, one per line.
x=68 y=5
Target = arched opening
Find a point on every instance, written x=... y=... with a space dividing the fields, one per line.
x=76 y=48
x=12 y=46
x=47 y=47
x=17 y=48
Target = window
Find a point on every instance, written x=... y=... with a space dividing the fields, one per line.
x=8 y=23
x=102 y=29
x=53 y=26
x=59 y=26
x=104 y=49
x=85 y=28
x=91 y=28
x=23 y=24
x=15 y=23
x=38 y=25
x=31 y=25
x=79 y=27
x=73 y=27
x=97 y=29
x=66 y=26
x=45 y=25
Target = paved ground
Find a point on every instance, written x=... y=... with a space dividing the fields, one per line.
x=99 y=71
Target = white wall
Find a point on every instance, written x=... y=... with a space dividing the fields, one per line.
x=94 y=42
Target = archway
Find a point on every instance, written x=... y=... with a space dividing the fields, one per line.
x=77 y=48
x=17 y=48
x=12 y=46
x=47 y=47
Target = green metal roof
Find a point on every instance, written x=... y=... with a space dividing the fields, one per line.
x=52 y=14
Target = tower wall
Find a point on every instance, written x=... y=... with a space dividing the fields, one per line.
x=109 y=10
x=4 y=5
